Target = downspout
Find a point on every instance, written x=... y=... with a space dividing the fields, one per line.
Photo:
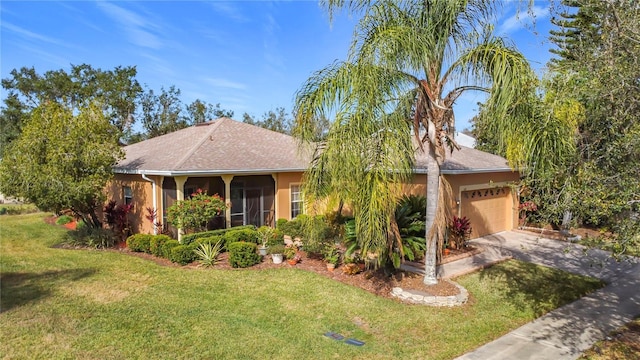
x=155 y=206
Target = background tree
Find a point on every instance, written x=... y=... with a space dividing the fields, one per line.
x=61 y=160
x=200 y=111
x=592 y=86
x=116 y=90
x=408 y=64
x=162 y=113
x=277 y=120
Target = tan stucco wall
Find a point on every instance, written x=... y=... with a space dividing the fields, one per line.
x=142 y=198
x=283 y=194
x=464 y=182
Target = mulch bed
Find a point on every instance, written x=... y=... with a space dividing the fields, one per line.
x=376 y=282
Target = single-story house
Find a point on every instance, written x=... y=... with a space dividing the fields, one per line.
x=258 y=172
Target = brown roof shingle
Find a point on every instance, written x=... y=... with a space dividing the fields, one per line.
x=228 y=146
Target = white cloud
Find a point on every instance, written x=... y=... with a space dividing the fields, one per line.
x=30 y=35
x=224 y=83
x=229 y=10
x=523 y=18
x=138 y=29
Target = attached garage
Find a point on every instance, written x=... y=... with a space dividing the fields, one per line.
x=483 y=186
x=489 y=210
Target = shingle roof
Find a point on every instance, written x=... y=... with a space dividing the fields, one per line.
x=227 y=146
x=219 y=146
x=466 y=160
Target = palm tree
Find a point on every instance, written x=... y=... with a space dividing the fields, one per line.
x=408 y=64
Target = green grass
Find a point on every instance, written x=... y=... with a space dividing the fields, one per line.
x=90 y=304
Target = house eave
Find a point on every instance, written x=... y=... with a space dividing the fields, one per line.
x=204 y=172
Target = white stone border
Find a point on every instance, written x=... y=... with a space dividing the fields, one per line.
x=419 y=297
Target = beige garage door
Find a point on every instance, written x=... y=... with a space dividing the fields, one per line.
x=489 y=210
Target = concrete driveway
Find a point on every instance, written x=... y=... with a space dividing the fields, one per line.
x=567 y=331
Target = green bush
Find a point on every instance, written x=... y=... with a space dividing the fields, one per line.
x=64 y=219
x=3 y=210
x=247 y=235
x=91 y=237
x=188 y=239
x=243 y=254
x=280 y=223
x=183 y=254
x=140 y=243
x=21 y=209
x=168 y=246
x=156 y=244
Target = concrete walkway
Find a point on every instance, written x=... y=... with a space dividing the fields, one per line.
x=567 y=331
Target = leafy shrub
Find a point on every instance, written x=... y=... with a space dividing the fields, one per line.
x=3 y=210
x=20 y=209
x=196 y=212
x=188 y=239
x=459 y=232
x=280 y=223
x=410 y=216
x=276 y=249
x=140 y=243
x=117 y=218
x=156 y=244
x=183 y=254
x=92 y=237
x=246 y=235
x=64 y=219
x=208 y=253
x=243 y=254
x=167 y=246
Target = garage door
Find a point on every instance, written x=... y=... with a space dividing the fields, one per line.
x=489 y=210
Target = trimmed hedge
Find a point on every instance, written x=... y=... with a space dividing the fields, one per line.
x=246 y=235
x=183 y=254
x=167 y=246
x=140 y=243
x=243 y=254
x=188 y=239
x=156 y=244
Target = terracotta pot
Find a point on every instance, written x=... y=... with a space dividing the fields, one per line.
x=446 y=252
x=331 y=267
x=292 y=261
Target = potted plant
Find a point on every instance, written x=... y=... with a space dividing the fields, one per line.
x=291 y=253
x=332 y=257
x=266 y=233
x=276 y=252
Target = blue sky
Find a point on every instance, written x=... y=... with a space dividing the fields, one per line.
x=249 y=56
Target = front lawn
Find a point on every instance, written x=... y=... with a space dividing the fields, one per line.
x=90 y=304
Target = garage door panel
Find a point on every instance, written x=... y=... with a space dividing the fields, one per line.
x=488 y=210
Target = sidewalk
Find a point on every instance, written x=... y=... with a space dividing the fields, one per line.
x=567 y=331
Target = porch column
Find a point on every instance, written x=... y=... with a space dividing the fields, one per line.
x=227 y=198
x=275 y=198
x=180 y=180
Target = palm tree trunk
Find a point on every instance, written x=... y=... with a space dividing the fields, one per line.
x=433 y=182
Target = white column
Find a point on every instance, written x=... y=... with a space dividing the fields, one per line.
x=275 y=198
x=227 y=198
x=180 y=180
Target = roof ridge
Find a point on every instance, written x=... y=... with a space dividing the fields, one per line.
x=193 y=149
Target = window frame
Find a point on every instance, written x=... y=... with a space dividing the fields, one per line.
x=127 y=195
x=299 y=200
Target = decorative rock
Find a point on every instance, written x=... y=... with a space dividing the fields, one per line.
x=417 y=297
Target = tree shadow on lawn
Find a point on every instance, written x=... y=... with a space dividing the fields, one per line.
x=539 y=289
x=21 y=288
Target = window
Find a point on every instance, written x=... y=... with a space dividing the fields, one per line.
x=127 y=194
x=297 y=203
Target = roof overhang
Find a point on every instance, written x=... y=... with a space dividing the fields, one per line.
x=204 y=172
